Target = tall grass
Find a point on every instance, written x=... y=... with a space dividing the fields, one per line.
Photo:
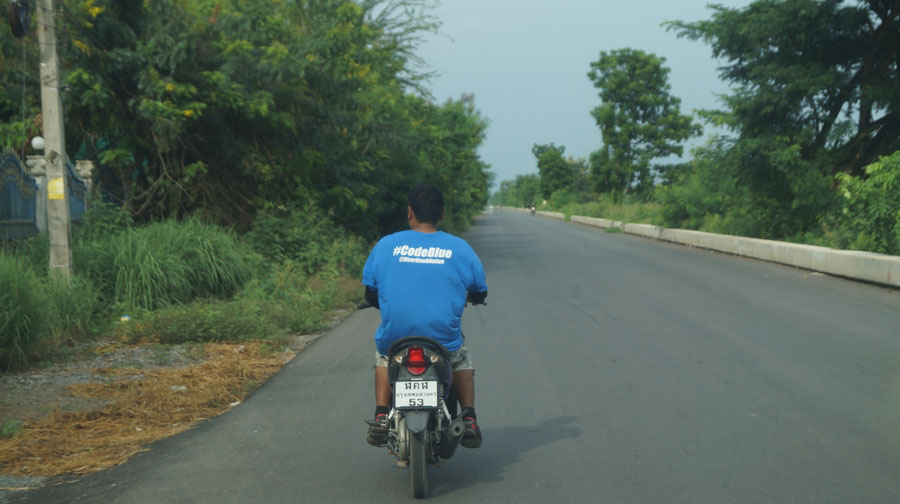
x=38 y=313
x=35 y=251
x=22 y=320
x=167 y=263
x=182 y=281
x=285 y=301
x=71 y=307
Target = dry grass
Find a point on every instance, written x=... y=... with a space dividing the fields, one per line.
x=143 y=406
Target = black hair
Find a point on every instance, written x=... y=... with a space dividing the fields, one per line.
x=426 y=202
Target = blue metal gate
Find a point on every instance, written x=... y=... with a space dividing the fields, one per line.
x=19 y=193
x=18 y=196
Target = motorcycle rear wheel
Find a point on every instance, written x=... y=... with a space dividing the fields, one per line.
x=418 y=464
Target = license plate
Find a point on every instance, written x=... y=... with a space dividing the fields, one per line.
x=416 y=394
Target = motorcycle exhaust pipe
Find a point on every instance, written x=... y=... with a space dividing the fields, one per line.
x=450 y=442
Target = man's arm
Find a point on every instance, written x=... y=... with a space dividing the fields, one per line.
x=372 y=296
x=476 y=297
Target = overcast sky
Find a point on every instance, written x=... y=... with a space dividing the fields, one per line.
x=526 y=62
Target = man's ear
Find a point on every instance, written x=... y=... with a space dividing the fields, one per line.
x=409 y=214
x=443 y=211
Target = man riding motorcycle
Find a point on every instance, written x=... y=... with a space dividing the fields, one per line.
x=420 y=279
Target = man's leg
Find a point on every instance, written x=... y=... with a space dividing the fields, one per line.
x=377 y=435
x=464 y=383
x=382 y=387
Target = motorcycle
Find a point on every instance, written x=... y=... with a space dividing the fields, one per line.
x=422 y=423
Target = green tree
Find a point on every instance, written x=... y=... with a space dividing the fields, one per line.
x=447 y=141
x=521 y=192
x=704 y=195
x=607 y=176
x=229 y=107
x=20 y=92
x=815 y=92
x=581 y=183
x=638 y=118
x=822 y=73
x=556 y=173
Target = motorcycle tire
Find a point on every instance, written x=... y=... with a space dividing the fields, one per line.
x=418 y=464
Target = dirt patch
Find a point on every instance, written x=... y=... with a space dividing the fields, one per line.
x=98 y=410
x=38 y=392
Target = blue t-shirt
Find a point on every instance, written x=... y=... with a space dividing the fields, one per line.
x=422 y=280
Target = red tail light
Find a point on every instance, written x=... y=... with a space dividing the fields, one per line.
x=415 y=361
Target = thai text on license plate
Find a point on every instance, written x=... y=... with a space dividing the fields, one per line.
x=415 y=394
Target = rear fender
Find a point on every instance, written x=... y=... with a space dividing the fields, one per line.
x=417 y=420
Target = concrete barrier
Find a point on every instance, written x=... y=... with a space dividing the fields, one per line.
x=552 y=215
x=645 y=230
x=868 y=266
x=597 y=222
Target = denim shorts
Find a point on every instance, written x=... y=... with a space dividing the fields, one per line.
x=459 y=359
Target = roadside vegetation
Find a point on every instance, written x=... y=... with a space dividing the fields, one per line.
x=231 y=307
x=176 y=282
x=807 y=143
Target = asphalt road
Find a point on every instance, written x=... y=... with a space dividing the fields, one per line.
x=611 y=368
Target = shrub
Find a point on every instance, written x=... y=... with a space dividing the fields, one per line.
x=869 y=217
x=201 y=321
x=562 y=199
x=597 y=208
x=604 y=206
x=308 y=239
x=348 y=255
x=291 y=298
x=299 y=302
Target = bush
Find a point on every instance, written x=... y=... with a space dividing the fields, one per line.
x=293 y=299
x=598 y=208
x=562 y=199
x=604 y=206
x=209 y=320
x=167 y=263
x=308 y=239
x=869 y=216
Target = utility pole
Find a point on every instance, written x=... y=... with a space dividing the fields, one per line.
x=54 y=144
